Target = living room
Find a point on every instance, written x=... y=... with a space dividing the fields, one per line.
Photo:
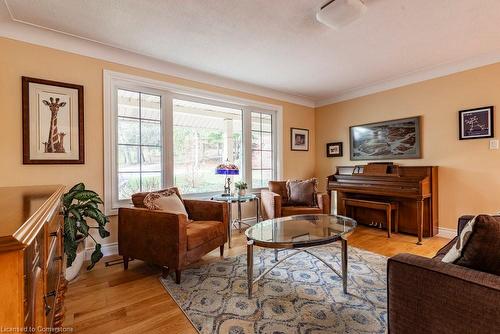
x=250 y=167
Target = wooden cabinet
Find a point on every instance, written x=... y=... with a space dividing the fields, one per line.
x=32 y=283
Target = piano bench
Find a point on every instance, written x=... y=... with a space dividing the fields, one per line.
x=388 y=207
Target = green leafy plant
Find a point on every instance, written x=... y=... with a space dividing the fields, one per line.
x=240 y=185
x=80 y=204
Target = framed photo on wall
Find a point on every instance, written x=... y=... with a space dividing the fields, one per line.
x=334 y=150
x=299 y=139
x=52 y=122
x=476 y=123
x=395 y=139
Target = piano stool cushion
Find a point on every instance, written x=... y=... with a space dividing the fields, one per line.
x=482 y=251
x=302 y=192
x=300 y=210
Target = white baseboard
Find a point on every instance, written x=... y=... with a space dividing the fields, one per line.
x=107 y=249
x=447 y=232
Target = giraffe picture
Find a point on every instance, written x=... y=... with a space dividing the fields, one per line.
x=52 y=122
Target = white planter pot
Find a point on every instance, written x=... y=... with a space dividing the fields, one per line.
x=73 y=271
x=242 y=192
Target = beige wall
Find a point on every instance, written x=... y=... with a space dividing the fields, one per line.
x=468 y=170
x=467 y=179
x=22 y=59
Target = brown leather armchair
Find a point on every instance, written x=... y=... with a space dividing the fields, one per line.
x=169 y=239
x=275 y=202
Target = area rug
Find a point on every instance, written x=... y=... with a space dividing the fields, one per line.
x=301 y=295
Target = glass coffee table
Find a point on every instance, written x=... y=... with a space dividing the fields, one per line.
x=299 y=232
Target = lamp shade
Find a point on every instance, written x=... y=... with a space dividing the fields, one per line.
x=227 y=169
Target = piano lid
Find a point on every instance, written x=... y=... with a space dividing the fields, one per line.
x=377 y=169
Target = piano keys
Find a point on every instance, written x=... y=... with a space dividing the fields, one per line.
x=414 y=188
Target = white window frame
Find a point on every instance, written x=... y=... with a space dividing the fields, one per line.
x=168 y=92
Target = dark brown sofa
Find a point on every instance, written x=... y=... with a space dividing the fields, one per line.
x=169 y=239
x=431 y=296
x=275 y=202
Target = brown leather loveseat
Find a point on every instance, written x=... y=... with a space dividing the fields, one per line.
x=171 y=240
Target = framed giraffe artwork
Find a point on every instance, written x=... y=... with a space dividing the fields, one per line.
x=52 y=122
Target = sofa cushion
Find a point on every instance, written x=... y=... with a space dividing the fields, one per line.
x=166 y=200
x=138 y=198
x=279 y=187
x=200 y=232
x=482 y=251
x=299 y=210
x=302 y=192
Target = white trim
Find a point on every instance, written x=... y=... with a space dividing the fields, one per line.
x=107 y=250
x=423 y=74
x=54 y=39
x=190 y=91
x=449 y=233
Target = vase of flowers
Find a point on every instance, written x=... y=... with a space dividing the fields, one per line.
x=242 y=187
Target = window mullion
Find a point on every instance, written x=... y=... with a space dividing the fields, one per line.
x=247 y=147
x=168 y=140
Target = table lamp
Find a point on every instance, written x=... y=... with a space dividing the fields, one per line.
x=227 y=169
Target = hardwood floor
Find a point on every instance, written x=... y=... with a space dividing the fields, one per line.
x=111 y=300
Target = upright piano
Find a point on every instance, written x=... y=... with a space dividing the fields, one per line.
x=414 y=188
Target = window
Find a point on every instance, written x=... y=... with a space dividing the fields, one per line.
x=204 y=136
x=158 y=135
x=139 y=143
x=262 y=149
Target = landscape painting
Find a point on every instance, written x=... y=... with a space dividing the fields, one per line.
x=396 y=139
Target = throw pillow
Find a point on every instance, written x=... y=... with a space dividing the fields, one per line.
x=456 y=251
x=302 y=192
x=165 y=200
x=482 y=251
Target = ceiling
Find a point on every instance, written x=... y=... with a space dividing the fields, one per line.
x=278 y=44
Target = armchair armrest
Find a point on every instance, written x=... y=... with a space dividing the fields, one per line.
x=271 y=204
x=430 y=296
x=207 y=210
x=323 y=202
x=162 y=238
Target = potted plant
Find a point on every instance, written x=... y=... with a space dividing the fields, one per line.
x=242 y=187
x=80 y=204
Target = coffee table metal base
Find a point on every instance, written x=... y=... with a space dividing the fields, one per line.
x=251 y=281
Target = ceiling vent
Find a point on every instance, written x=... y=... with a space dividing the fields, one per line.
x=338 y=13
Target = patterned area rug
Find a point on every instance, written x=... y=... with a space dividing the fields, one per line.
x=301 y=295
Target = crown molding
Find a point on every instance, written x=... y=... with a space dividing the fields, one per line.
x=30 y=33
x=424 y=74
x=33 y=34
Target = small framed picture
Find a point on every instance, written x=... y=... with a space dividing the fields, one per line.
x=334 y=150
x=52 y=122
x=476 y=123
x=299 y=139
